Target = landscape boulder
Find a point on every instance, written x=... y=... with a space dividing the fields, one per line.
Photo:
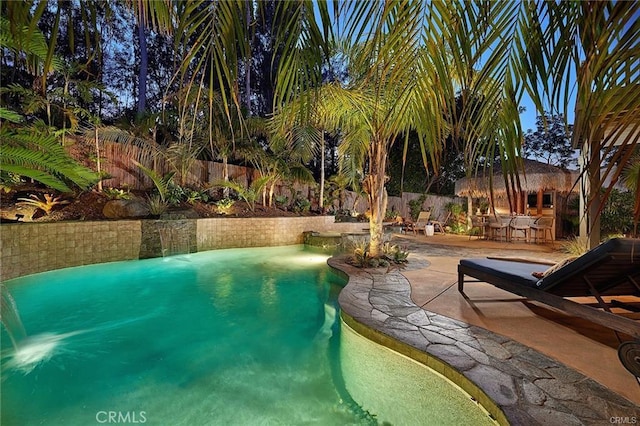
x=125 y=209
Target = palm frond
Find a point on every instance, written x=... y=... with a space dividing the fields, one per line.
x=161 y=182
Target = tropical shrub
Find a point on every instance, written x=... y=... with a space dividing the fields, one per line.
x=38 y=155
x=617 y=215
x=301 y=205
x=575 y=246
x=390 y=215
x=394 y=253
x=251 y=194
x=193 y=195
x=157 y=205
x=282 y=201
x=175 y=193
x=361 y=257
x=458 y=221
x=224 y=205
x=45 y=205
x=117 y=193
x=162 y=183
x=415 y=206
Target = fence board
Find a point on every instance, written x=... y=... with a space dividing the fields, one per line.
x=118 y=161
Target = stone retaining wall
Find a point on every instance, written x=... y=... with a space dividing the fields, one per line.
x=28 y=248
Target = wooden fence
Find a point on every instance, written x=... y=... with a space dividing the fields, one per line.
x=117 y=160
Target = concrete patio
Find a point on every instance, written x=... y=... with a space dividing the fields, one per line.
x=537 y=365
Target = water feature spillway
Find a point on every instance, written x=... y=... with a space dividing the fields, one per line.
x=175 y=236
x=10 y=318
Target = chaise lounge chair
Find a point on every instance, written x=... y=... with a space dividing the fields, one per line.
x=423 y=220
x=610 y=270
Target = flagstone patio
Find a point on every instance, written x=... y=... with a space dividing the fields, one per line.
x=524 y=362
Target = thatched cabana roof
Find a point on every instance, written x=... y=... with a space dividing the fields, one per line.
x=537 y=176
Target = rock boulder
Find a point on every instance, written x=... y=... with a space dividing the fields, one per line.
x=125 y=209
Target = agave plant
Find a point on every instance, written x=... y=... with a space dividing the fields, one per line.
x=361 y=254
x=46 y=205
x=394 y=253
x=157 y=205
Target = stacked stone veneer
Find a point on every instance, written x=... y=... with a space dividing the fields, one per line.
x=264 y=232
x=28 y=248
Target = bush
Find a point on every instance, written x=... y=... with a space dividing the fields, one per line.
x=301 y=205
x=282 y=201
x=458 y=221
x=117 y=193
x=157 y=205
x=415 y=206
x=224 y=206
x=617 y=215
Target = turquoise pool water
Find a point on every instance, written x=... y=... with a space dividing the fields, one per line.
x=227 y=337
x=220 y=337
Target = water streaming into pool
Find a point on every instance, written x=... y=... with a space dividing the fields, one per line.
x=223 y=337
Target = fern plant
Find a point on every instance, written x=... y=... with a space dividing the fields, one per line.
x=38 y=155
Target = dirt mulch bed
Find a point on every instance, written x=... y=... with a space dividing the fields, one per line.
x=89 y=206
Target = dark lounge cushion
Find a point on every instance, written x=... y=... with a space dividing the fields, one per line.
x=518 y=272
x=625 y=251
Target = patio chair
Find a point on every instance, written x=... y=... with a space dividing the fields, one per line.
x=423 y=220
x=478 y=227
x=604 y=274
x=544 y=225
x=408 y=226
x=519 y=228
x=499 y=227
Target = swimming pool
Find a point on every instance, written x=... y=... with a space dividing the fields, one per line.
x=240 y=336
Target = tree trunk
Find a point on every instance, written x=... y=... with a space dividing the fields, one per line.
x=321 y=201
x=95 y=133
x=272 y=189
x=247 y=62
x=142 y=76
x=374 y=186
x=225 y=176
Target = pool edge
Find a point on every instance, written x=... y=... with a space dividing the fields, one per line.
x=432 y=362
x=378 y=303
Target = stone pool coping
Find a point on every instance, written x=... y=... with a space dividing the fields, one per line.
x=514 y=383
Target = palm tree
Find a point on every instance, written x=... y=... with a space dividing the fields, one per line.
x=590 y=50
x=34 y=150
x=400 y=80
x=410 y=59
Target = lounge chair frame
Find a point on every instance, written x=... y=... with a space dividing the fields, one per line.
x=594 y=276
